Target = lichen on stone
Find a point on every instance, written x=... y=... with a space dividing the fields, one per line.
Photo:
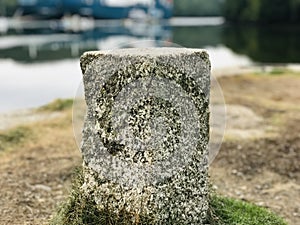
x=87 y=58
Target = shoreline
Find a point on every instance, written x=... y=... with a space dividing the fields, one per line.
x=23 y=116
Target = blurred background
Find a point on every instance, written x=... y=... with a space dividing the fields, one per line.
x=41 y=40
x=257 y=40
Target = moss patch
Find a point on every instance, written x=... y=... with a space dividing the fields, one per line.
x=234 y=212
x=82 y=210
x=277 y=71
x=13 y=137
x=57 y=105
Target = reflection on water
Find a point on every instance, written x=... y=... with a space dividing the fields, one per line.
x=34 y=48
x=264 y=44
x=40 y=61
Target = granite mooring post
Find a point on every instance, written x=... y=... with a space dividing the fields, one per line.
x=146 y=133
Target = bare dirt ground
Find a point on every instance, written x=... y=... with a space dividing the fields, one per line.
x=258 y=161
x=262 y=167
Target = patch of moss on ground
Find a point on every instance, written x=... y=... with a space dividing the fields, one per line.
x=225 y=211
x=57 y=105
x=13 y=137
x=277 y=71
x=82 y=210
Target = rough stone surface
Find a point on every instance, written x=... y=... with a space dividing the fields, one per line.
x=145 y=137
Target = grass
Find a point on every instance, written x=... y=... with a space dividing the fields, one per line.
x=277 y=71
x=82 y=210
x=13 y=137
x=228 y=211
x=57 y=105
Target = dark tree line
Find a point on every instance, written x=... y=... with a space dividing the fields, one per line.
x=262 y=11
x=7 y=7
x=197 y=7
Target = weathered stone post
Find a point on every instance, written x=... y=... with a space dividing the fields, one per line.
x=146 y=134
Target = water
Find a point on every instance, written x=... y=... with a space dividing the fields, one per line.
x=40 y=61
x=31 y=85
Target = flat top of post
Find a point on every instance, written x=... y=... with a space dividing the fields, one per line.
x=146 y=52
x=149 y=53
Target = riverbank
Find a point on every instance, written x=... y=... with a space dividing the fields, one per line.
x=258 y=161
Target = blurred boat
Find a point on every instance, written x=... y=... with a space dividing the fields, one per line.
x=41 y=43
x=46 y=9
x=97 y=9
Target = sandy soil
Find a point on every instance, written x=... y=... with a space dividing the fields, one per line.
x=258 y=161
x=12 y=119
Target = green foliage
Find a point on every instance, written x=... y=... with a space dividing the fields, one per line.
x=7 y=7
x=274 y=10
x=57 y=105
x=9 y=2
x=232 y=9
x=225 y=211
x=197 y=37
x=278 y=71
x=82 y=210
x=13 y=137
x=253 y=10
x=262 y=11
x=197 y=7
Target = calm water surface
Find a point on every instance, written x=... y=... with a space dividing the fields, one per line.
x=41 y=63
